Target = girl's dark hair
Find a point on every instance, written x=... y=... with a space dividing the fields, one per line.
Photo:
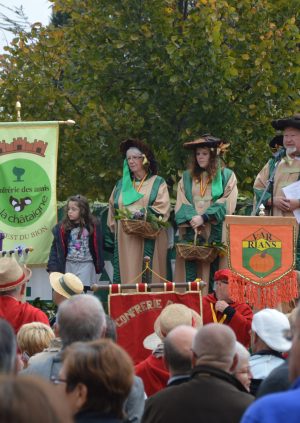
x=86 y=217
x=211 y=170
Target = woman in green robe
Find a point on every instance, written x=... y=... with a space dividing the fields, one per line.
x=140 y=190
x=206 y=193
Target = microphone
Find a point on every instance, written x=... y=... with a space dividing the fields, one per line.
x=279 y=154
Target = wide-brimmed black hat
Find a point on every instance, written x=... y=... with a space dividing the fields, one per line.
x=276 y=141
x=288 y=122
x=204 y=141
x=143 y=147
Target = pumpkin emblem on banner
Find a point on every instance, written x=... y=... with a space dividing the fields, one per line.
x=261 y=257
x=262 y=252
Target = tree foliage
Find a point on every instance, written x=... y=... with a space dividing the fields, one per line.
x=162 y=70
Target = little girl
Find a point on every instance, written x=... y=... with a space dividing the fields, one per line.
x=78 y=243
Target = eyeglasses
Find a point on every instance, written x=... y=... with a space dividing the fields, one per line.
x=58 y=380
x=134 y=158
x=288 y=334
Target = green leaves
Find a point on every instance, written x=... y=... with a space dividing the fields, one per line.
x=142 y=69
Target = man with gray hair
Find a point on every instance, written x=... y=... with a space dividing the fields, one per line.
x=212 y=394
x=81 y=318
x=8 y=348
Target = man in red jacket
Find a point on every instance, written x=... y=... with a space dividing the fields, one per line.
x=13 y=279
x=218 y=307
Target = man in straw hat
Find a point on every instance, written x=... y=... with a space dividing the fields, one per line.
x=153 y=370
x=63 y=287
x=287 y=172
x=218 y=307
x=13 y=279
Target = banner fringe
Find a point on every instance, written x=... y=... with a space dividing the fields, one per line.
x=261 y=296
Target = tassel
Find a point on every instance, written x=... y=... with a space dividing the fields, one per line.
x=261 y=296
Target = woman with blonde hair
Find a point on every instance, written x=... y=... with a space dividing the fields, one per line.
x=33 y=338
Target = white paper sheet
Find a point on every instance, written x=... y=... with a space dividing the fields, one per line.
x=292 y=192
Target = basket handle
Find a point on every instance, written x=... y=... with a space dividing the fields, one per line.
x=197 y=232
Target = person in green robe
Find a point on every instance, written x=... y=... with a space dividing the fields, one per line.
x=140 y=191
x=287 y=171
x=206 y=192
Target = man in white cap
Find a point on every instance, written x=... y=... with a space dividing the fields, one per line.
x=13 y=279
x=268 y=344
x=153 y=370
x=281 y=406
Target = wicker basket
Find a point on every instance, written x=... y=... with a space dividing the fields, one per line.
x=139 y=228
x=191 y=252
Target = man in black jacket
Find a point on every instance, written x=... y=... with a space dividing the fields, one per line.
x=212 y=394
x=178 y=354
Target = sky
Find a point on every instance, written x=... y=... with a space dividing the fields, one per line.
x=35 y=10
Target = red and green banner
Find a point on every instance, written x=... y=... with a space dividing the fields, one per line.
x=28 y=162
x=261 y=255
x=135 y=314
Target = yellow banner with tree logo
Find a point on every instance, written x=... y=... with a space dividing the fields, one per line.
x=28 y=164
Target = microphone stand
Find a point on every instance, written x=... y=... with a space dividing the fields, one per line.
x=270 y=185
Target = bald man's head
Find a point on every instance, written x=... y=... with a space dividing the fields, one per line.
x=215 y=345
x=177 y=349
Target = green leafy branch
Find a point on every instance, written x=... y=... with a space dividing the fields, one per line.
x=156 y=222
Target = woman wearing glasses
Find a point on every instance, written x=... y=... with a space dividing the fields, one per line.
x=95 y=379
x=141 y=192
x=206 y=193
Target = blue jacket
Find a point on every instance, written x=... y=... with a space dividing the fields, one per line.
x=59 y=249
x=276 y=408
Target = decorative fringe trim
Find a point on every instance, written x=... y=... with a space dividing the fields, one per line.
x=260 y=295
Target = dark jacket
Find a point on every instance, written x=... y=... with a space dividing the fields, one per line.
x=94 y=417
x=211 y=395
x=59 y=249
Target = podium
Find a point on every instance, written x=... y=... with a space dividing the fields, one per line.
x=262 y=256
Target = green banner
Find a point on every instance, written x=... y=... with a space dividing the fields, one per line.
x=28 y=162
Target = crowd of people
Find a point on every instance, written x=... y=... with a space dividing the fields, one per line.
x=77 y=371
x=230 y=364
